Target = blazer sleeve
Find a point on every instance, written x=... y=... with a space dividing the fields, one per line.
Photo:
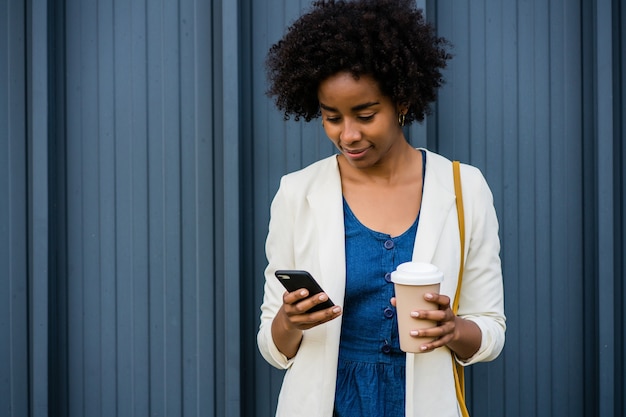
x=279 y=253
x=482 y=293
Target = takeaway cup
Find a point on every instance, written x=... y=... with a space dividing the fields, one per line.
x=411 y=281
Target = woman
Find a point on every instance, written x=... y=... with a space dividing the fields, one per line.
x=368 y=68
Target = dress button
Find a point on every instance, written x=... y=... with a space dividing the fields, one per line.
x=389 y=244
x=386 y=348
x=388 y=312
x=388 y=277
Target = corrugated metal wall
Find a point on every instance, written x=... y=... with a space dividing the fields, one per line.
x=513 y=107
x=521 y=103
x=14 y=357
x=139 y=155
x=120 y=204
x=150 y=274
x=142 y=187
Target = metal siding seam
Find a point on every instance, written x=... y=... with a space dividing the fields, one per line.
x=75 y=185
x=605 y=204
x=572 y=263
x=257 y=150
x=38 y=220
x=125 y=384
x=205 y=257
x=530 y=32
x=191 y=394
x=542 y=302
x=502 y=166
x=620 y=139
x=13 y=215
x=554 y=338
x=90 y=210
x=106 y=177
x=526 y=169
x=231 y=149
x=156 y=234
x=171 y=180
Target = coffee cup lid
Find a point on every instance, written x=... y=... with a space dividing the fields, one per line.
x=416 y=273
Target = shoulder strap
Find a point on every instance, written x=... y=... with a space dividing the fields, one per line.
x=459 y=371
x=456 y=169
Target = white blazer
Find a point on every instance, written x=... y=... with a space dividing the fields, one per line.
x=306 y=231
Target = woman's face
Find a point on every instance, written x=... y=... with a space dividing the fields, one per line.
x=360 y=120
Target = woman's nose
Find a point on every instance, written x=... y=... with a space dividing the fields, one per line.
x=350 y=132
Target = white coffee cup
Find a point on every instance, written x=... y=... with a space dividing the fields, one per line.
x=411 y=281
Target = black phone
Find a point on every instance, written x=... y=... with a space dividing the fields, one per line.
x=293 y=280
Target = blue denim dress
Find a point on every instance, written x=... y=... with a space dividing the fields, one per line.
x=371 y=369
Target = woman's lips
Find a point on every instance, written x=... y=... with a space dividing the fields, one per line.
x=355 y=153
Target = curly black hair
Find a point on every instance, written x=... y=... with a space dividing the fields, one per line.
x=386 y=39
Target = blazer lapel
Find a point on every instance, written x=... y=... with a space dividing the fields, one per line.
x=326 y=204
x=437 y=201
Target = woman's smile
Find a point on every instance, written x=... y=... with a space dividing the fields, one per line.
x=355 y=153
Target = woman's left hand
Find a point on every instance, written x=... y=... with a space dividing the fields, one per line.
x=461 y=336
x=444 y=317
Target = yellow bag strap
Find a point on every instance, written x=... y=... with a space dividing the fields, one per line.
x=459 y=371
x=456 y=169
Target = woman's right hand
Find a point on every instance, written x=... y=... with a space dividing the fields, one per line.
x=296 y=305
x=292 y=318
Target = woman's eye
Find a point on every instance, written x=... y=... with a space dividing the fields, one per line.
x=362 y=118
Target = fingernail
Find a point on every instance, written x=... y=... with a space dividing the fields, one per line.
x=415 y=314
x=322 y=297
x=423 y=348
x=414 y=332
x=336 y=309
x=303 y=292
x=429 y=296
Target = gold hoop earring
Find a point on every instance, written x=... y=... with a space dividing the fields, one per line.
x=401 y=119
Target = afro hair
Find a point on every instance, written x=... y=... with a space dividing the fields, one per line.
x=386 y=39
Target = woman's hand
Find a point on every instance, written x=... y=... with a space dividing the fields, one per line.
x=295 y=307
x=461 y=336
x=292 y=318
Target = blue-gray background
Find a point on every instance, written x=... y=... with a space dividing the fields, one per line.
x=139 y=156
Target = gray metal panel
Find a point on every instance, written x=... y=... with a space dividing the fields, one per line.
x=619 y=17
x=227 y=234
x=275 y=148
x=14 y=398
x=619 y=25
x=512 y=107
x=606 y=148
x=38 y=209
x=146 y=215
x=152 y=230
x=590 y=365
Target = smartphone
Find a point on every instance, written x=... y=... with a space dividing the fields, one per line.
x=293 y=280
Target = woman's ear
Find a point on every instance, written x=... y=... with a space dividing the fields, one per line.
x=403 y=108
